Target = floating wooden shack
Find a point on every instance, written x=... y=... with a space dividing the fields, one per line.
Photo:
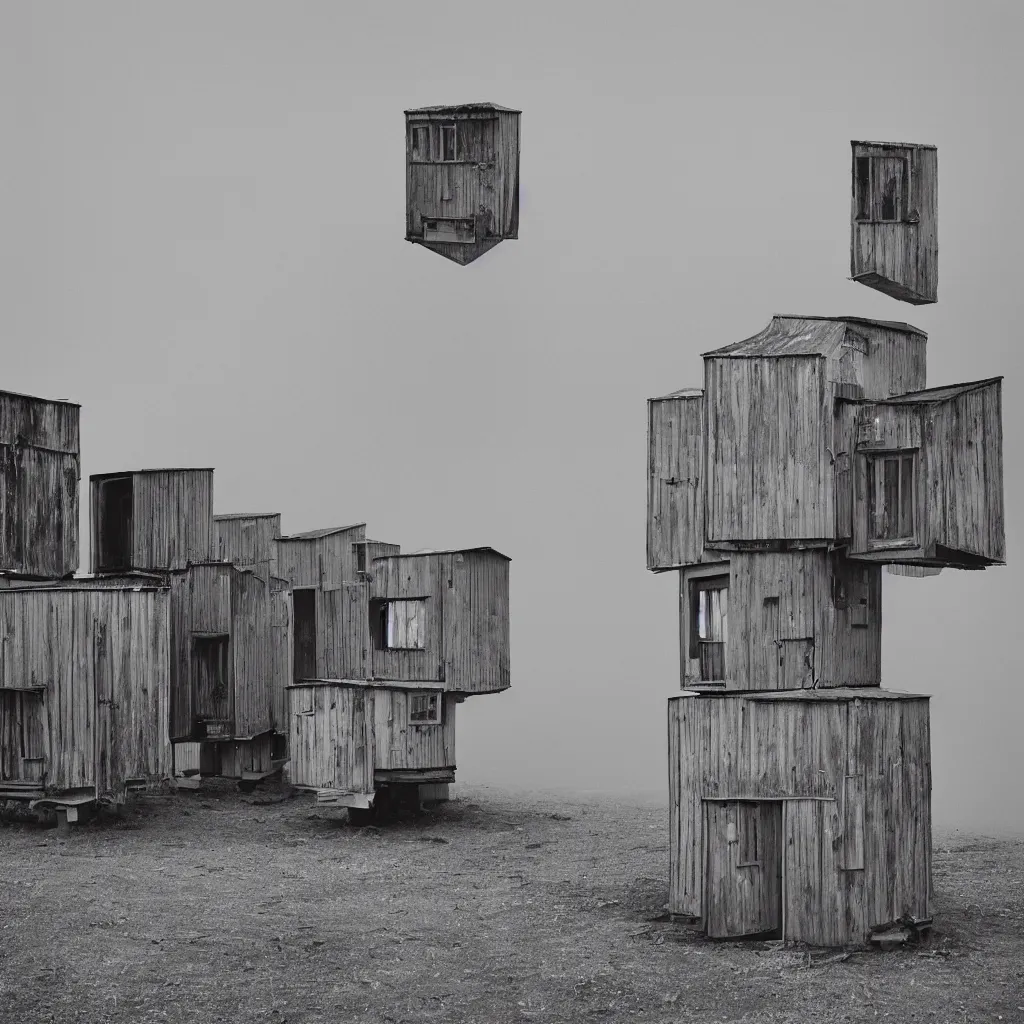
x=420 y=633
x=39 y=474
x=800 y=816
x=462 y=178
x=84 y=691
x=894 y=244
x=151 y=519
x=813 y=456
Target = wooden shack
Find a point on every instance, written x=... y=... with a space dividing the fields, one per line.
x=84 y=691
x=800 y=816
x=894 y=246
x=813 y=456
x=349 y=741
x=247 y=540
x=39 y=475
x=150 y=519
x=228 y=646
x=462 y=178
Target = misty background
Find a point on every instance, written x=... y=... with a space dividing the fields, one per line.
x=202 y=219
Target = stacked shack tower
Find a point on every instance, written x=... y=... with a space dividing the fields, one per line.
x=800 y=789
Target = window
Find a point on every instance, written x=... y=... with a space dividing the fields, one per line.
x=447 y=229
x=424 y=709
x=114 y=534
x=882 y=189
x=400 y=625
x=434 y=143
x=360 y=550
x=709 y=624
x=890 y=490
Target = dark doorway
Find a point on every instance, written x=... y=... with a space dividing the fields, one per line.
x=304 y=624
x=114 y=517
x=212 y=701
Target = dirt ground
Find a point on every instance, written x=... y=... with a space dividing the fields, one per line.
x=218 y=906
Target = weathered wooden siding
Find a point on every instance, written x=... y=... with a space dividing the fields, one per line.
x=507 y=166
x=882 y=360
x=39 y=477
x=769 y=475
x=476 y=623
x=100 y=660
x=319 y=561
x=957 y=433
x=859 y=861
x=797 y=619
x=344 y=637
x=675 y=481
x=281 y=638
x=330 y=738
x=420 y=577
x=248 y=541
x=900 y=259
x=400 y=744
x=252 y=654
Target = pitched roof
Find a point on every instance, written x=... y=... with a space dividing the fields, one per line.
x=319 y=534
x=802 y=336
x=247 y=515
x=462 y=108
x=136 y=472
x=895 y=145
x=941 y=394
x=36 y=398
x=681 y=393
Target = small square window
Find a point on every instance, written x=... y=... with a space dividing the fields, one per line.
x=891 y=493
x=399 y=625
x=424 y=709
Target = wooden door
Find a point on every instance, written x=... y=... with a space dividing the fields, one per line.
x=815 y=911
x=22 y=736
x=347 y=620
x=743 y=868
x=212 y=691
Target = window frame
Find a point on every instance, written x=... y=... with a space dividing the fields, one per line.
x=380 y=610
x=867 y=188
x=432 y=697
x=874 y=487
x=712 y=576
x=433 y=234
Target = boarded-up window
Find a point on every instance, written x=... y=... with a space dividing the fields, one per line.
x=449 y=229
x=400 y=625
x=709 y=625
x=890 y=489
x=882 y=185
x=424 y=708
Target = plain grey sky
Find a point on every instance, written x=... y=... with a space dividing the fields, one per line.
x=202 y=209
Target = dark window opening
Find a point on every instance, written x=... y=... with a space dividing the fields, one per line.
x=447 y=142
x=891 y=497
x=449 y=229
x=709 y=625
x=399 y=625
x=881 y=186
x=425 y=709
x=212 y=682
x=304 y=626
x=421 y=142
x=114 y=532
x=360 y=557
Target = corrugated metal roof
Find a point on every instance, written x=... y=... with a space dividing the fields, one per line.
x=444 y=551
x=462 y=108
x=789 y=335
x=318 y=534
x=36 y=398
x=941 y=394
x=247 y=515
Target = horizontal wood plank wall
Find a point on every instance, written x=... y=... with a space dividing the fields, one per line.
x=61 y=641
x=405 y=576
x=401 y=744
x=251 y=654
x=731 y=747
x=248 y=541
x=476 y=623
x=172 y=521
x=331 y=738
x=675 y=483
x=903 y=253
x=769 y=475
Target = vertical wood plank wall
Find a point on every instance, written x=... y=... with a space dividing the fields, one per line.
x=172 y=519
x=750 y=748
